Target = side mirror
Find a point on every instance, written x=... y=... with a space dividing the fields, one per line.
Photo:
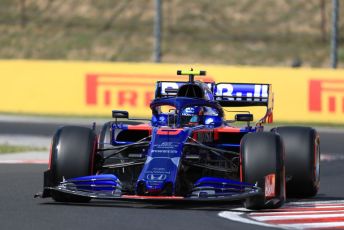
x=120 y=114
x=244 y=117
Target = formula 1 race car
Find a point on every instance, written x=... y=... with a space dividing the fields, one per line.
x=187 y=151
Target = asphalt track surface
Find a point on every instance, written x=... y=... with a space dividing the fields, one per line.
x=19 y=210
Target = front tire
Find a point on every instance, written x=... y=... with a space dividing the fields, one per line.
x=72 y=155
x=261 y=155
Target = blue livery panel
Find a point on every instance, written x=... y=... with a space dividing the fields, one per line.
x=163 y=159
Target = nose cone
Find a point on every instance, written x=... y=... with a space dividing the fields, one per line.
x=159 y=174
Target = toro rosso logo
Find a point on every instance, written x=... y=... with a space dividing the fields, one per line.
x=156 y=176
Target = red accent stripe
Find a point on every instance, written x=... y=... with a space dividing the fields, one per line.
x=140 y=127
x=169 y=131
x=153 y=197
x=227 y=130
x=307 y=220
x=50 y=155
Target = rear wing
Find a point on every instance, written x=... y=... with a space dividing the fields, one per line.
x=243 y=94
x=227 y=94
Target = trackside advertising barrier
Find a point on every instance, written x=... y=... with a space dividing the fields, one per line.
x=91 y=88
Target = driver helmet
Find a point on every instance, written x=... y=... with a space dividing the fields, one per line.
x=192 y=115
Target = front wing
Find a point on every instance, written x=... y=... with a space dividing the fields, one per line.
x=105 y=196
x=108 y=187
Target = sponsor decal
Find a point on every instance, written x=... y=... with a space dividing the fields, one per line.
x=171 y=132
x=156 y=176
x=188 y=111
x=120 y=89
x=168 y=145
x=324 y=92
x=270 y=185
x=242 y=91
x=164 y=151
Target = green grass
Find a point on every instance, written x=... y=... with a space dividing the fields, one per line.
x=246 y=32
x=6 y=148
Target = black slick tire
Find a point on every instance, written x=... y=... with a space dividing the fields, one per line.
x=302 y=159
x=72 y=155
x=261 y=155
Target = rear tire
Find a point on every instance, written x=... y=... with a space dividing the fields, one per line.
x=302 y=157
x=72 y=155
x=262 y=154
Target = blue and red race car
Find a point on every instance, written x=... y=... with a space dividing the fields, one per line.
x=187 y=151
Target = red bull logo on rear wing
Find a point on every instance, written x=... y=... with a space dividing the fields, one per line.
x=243 y=94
